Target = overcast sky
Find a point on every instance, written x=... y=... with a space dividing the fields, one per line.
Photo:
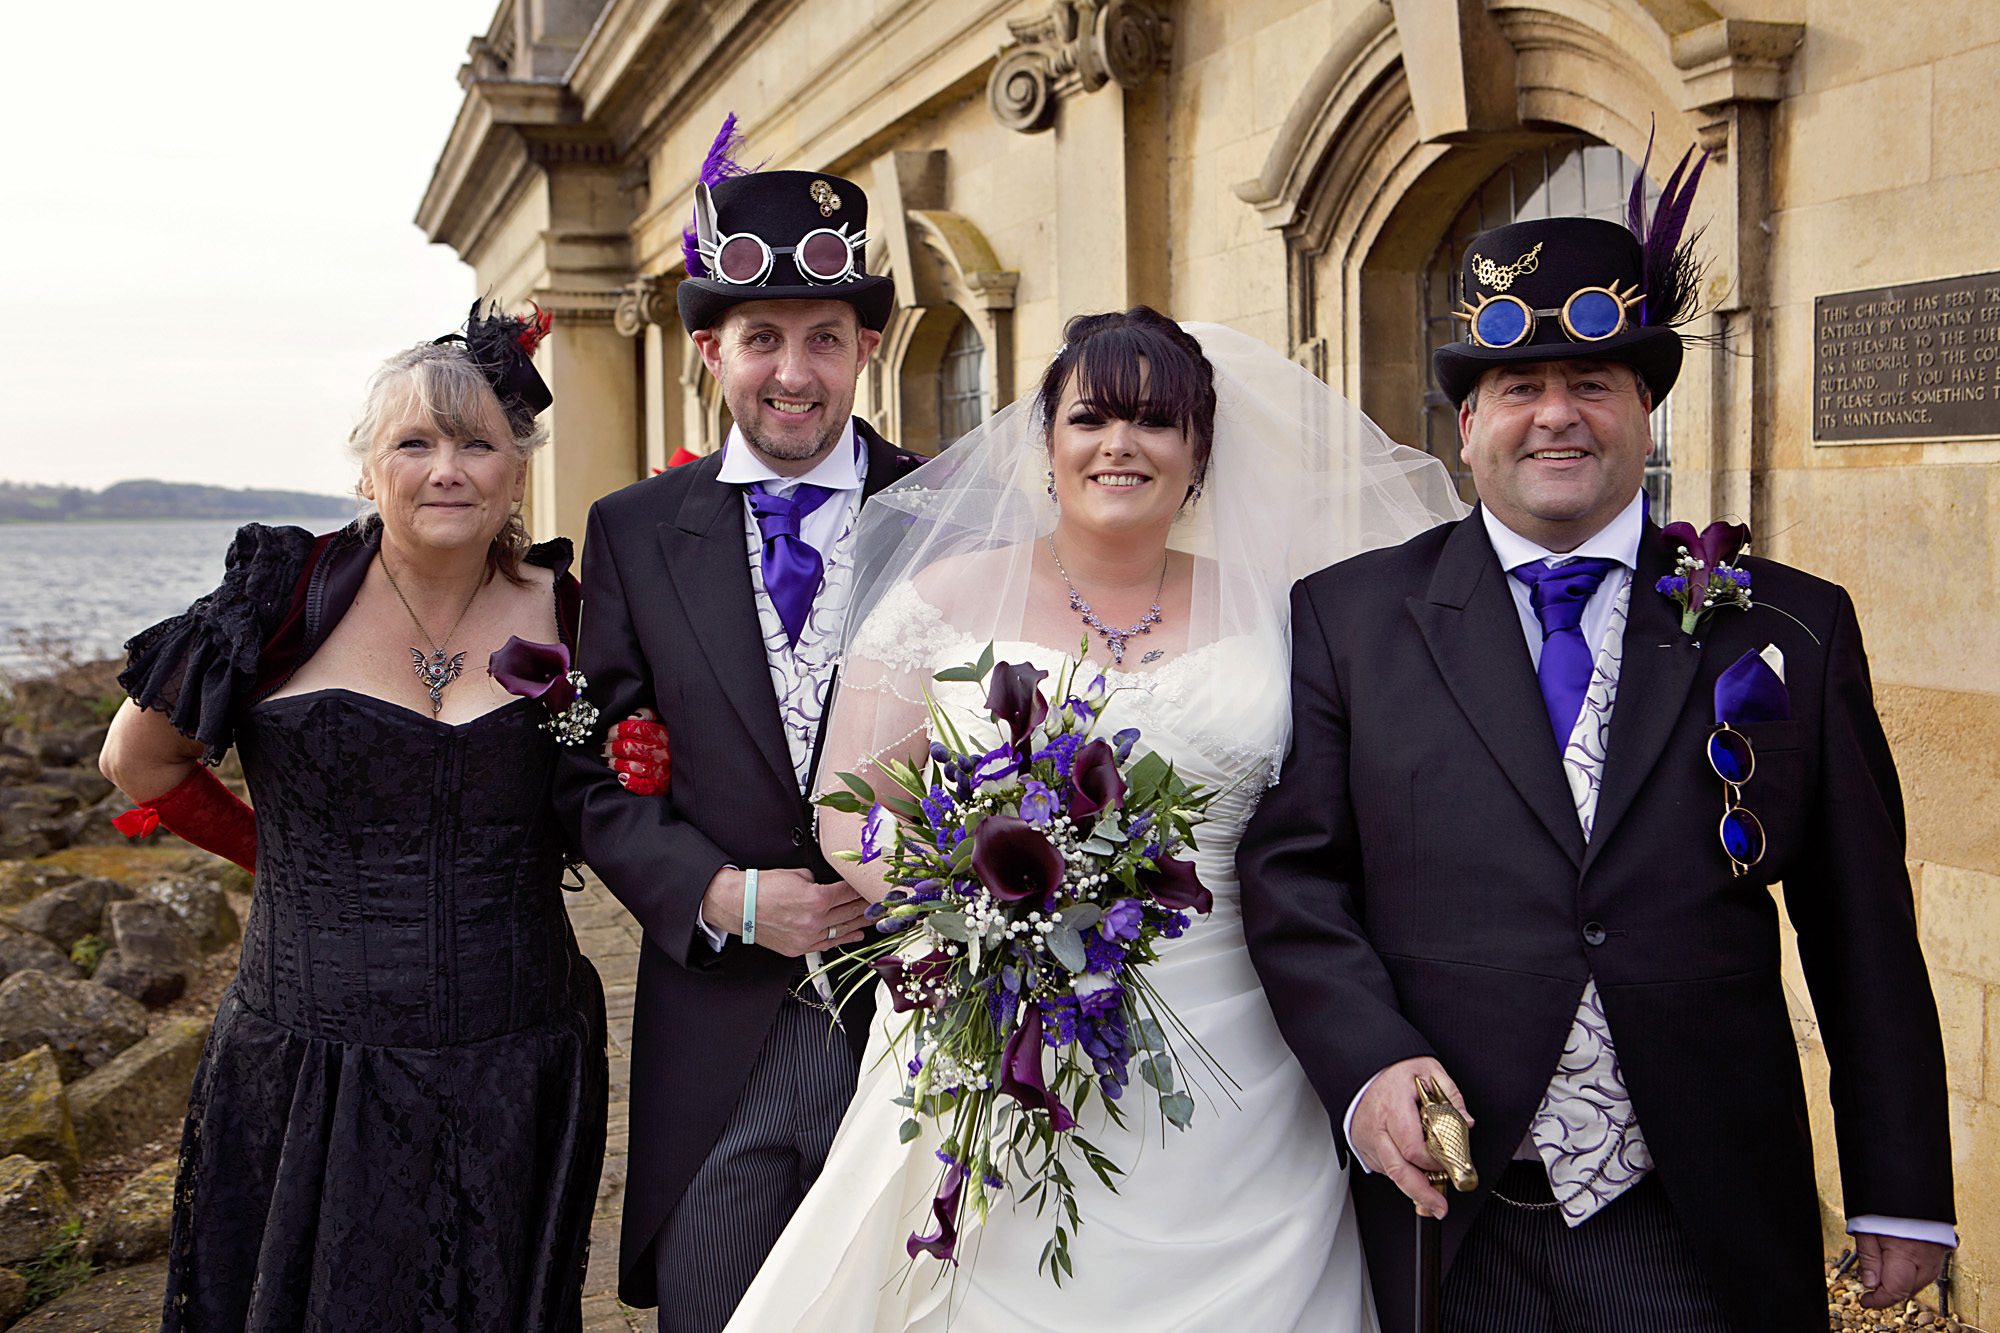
x=206 y=240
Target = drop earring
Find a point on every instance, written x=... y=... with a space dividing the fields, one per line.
x=1052 y=486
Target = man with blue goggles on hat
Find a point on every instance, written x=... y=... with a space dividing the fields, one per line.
x=1546 y=762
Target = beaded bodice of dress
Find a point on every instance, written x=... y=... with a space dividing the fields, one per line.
x=407 y=869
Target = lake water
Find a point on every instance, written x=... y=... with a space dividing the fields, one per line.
x=88 y=587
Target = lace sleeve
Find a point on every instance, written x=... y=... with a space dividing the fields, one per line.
x=195 y=666
x=905 y=632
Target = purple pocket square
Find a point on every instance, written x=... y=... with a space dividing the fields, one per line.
x=1751 y=692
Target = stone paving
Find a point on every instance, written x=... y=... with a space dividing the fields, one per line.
x=608 y=934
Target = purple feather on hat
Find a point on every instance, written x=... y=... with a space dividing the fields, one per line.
x=1671 y=272
x=718 y=166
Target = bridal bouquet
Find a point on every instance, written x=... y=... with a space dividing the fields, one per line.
x=1031 y=884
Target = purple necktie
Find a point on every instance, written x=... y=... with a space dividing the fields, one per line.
x=793 y=570
x=1558 y=594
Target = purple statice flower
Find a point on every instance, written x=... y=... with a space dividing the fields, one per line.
x=1101 y=955
x=1058 y=1021
x=1124 y=741
x=1062 y=750
x=948 y=1159
x=1673 y=585
x=938 y=806
x=1122 y=920
x=993 y=1181
x=1739 y=577
x=1038 y=804
x=1174 y=925
x=1152 y=852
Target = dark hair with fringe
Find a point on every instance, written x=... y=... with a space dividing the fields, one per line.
x=1135 y=365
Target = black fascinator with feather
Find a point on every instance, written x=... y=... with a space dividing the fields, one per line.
x=503 y=347
x=1572 y=289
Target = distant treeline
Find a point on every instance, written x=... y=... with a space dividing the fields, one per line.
x=22 y=503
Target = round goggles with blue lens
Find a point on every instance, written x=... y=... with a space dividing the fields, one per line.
x=1591 y=314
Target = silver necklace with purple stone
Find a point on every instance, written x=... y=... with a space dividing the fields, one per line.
x=1115 y=639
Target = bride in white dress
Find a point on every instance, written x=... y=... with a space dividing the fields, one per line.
x=1158 y=497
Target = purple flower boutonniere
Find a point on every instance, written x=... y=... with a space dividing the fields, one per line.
x=1703 y=577
x=540 y=671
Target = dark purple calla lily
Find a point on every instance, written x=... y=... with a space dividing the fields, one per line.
x=1012 y=697
x=1175 y=887
x=926 y=976
x=1021 y=1073
x=941 y=1243
x=534 y=670
x=1096 y=780
x=1013 y=860
x=1716 y=544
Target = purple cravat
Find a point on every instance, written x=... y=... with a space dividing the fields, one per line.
x=793 y=570
x=1558 y=594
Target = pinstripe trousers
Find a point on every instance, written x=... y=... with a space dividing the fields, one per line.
x=769 y=1154
x=1628 y=1268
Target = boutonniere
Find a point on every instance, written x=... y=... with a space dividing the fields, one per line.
x=1703 y=577
x=540 y=671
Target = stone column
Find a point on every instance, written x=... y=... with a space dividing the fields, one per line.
x=1111 y=191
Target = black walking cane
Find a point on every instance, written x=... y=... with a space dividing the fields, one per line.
x=1449 y=1141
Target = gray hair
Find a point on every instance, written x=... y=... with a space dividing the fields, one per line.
x=452 y=394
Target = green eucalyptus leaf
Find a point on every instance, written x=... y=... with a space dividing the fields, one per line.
x=1067 y=946
x=909 y=1131
x=951 y=925
x=1151 y=1038
x=1178 y=1107
x=1080 y=916
x=1158 y=1070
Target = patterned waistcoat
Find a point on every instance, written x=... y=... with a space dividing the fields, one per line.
x=1585 y=1131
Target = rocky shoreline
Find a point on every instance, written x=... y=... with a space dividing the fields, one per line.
x=113 y=955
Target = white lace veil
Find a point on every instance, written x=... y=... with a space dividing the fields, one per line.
x=1298 y=479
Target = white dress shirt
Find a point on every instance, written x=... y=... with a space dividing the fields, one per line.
x=1619 y=541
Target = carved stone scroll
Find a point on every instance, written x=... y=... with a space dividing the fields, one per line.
x=1074 y=46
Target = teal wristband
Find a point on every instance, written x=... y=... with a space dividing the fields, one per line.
x=749 y=907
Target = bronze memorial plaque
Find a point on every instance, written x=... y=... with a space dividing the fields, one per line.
x=1915 y=362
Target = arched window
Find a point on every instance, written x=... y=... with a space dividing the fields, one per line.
x=961 y=384
x=1577 y=177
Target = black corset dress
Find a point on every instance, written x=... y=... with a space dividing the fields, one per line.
x=398 y=1122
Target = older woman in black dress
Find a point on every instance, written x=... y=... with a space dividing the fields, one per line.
x=398 y=1122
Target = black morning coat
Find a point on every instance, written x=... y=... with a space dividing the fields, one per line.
x=1418 y=884
x=670 y=623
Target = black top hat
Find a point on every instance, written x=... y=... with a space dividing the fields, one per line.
x=781 y=236
x=1576 y=289
x=1532 y=271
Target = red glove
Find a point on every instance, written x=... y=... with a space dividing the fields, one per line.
x=636 y=749
x=202 y=811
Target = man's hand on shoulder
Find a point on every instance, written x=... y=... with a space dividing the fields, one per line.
x=794 y=915
x=1894 y=1269
x=1387 y=1131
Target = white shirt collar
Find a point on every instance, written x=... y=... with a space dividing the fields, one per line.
x=742 y=466
x=1619 y=539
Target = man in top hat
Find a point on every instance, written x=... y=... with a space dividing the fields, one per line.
x=715 y=595
x=1499 y=855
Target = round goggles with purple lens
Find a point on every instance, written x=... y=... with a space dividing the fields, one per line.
x=825 y=254
x=1591 y=314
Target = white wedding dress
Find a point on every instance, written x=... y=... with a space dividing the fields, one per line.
x=1240 y=1224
